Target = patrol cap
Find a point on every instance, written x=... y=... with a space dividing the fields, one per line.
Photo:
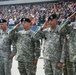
x=25 y=19
x=53 y=16
x=2 y=21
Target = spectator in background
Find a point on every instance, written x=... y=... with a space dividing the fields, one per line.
x=39 y=11
x=11 y=21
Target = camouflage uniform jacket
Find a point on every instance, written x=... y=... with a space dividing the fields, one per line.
x=71 y=41
x=5 y=45
x=28 y=49
x=53 y=42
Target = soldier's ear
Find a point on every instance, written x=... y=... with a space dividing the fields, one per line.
x=30 y=23
x=22 y=22
x=5 y=23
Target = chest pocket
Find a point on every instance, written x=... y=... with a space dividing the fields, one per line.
x=31 y=40
x=73 y=35
x=25 y=39
x=51 y=35
x=6 y=39
x=47 y=36
x=52 y=38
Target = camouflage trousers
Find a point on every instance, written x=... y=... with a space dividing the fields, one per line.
x=5 y=67
x=70 y=68
x=51 y=68
x=26 y=68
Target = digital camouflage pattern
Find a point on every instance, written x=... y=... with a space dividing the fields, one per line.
x=53 y=47
x=70 y=46
x=5 y=53
x=28 y=50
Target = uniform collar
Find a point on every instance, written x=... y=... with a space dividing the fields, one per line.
x=4 y=32
x=26 y=32
x=53 y=30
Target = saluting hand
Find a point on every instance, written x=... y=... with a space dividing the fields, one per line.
x=45 y=24
x=73 y=15
x=18 y=25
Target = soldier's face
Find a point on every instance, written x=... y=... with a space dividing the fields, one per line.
x=3 y=25
x=53 y=23
x=25 y=24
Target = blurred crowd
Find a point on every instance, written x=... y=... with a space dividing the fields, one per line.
x=37 y=12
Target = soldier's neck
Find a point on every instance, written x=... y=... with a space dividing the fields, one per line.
x=27 y=29
x=4 y=30
x=54 y=27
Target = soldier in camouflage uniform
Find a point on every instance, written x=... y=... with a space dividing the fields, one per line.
x=6 y=54
x=70 y=46
x=54 y=52
x=28 y=49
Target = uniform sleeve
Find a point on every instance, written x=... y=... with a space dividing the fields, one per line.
x=39 y=34
x=63 y=49
x=37 y=49
x=14 y=49
x=63 y=29
x=13 y=34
